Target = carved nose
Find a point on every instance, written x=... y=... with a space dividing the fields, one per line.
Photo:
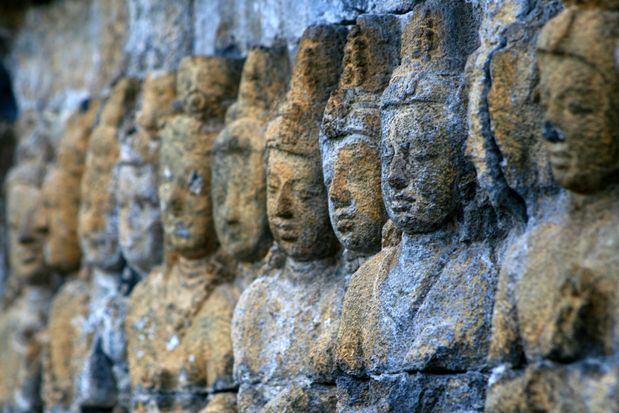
x=553 y=134
x=339 y=194
x=231 y=214
x=284 y=204
x=396 y=177
x=173 y=202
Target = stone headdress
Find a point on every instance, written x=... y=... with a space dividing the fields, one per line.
x=371 y=53
x=587 y=34
x=315 y=75
x=141 y=146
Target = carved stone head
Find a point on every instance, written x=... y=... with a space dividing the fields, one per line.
x=296 y=197
x=350 y=135
x=580 y=94
x=140 y=227
x=239 y=183
x=26 y=223
x=24 y=214
x=98 y=215
x=61 y=194
x=184 y=188
x=206 y=86
x=422 y=127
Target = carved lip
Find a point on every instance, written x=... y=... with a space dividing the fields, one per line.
x=559 y=156
x=402 y=204
x=344 y=222
x=286 y=231
x=29 y=259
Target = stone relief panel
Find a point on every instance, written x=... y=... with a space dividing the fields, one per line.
x=376 y=213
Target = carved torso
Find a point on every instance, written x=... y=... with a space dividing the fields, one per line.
x=22 y=331
x=297 y=310
x=67 y=315
x=178 y=330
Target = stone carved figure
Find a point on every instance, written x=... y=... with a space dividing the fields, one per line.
x=285 y=324
x=140 y=231
x=350 y=137
x=178 y=332
x=101 y=379
x=423 y=306
x=140 y=227
x=79 y=373
x=23 y=317
x=555 y=325
x=239 y=181
x=61 y=201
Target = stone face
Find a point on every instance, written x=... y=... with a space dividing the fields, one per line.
x=555 y=318
x=178 y=321
x=239 y=179
x=350 y=134
x=280 y=357
x=24 y=315
x=140 y=229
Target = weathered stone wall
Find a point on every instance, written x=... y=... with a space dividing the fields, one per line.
x=309 y=206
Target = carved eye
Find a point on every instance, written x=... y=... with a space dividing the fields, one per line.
x=272 y=188
x=579 y=108
x=195 y=183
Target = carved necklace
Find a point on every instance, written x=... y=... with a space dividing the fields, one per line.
x=193 y=279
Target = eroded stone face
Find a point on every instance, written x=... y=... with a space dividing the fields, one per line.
x=239 y=181
x=97 y=223
x=206 y=86
x=61 y=196
x=184 y=184
x=139 y=232
x=140 y=229
x=158 y=94
x=350 y=134
x=26 y=231
x=296 y=206
x=418 y=169
x=581 y=123
x=239 y=193
x=356 y=212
